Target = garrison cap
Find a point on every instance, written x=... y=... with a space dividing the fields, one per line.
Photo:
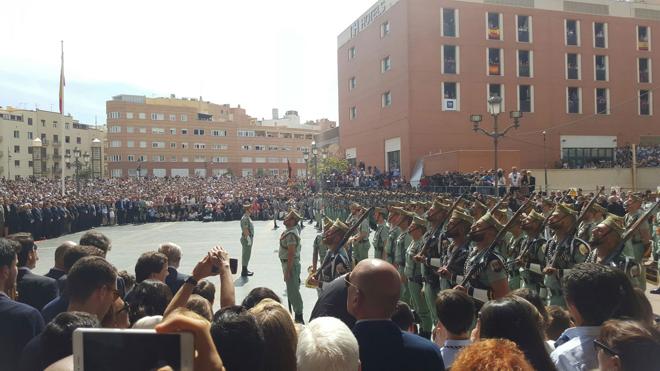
x=490 y=219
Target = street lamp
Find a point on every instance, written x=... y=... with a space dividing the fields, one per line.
x=495 y=109
x=139 y=167
x=545 y=164
x=97 y=170
x=315 y=153
x=36 y=157
x=306 y=158
x=77 y=163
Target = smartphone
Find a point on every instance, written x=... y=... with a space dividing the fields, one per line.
x=233 y=265
x=131 y=350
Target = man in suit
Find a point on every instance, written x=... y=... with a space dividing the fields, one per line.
x=57 y=270
x=33 y=289
x=174 y=279
x=19 y=322
x=373 y=291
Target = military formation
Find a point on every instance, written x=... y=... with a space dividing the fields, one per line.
x=483 y=245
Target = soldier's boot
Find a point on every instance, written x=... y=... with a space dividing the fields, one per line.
x=299 y=318
x=246 y=273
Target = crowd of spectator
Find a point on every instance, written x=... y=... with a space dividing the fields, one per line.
x=647 y=156
x=38 y=206
x=358 y=323
x=363 y=176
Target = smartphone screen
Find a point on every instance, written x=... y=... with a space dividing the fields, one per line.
x=233 y=265
x=130 y=350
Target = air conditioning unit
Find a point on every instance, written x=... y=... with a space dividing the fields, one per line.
x=450 y=105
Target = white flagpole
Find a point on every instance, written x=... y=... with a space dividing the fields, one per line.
x=62 y=83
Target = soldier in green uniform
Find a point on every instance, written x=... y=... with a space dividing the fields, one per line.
x=336 y=261
x=490 y=280
x=360 y=240
x=656 y=241
x=532 y=259
x=414 y=278
x=638 y=247
x=592 y=217
x=478 y=209
x=382 y=231
x=563 y=251
x=289 y=254
x=450 y=267
x=393 y=235
x=402 y=243
x=513 y=247
x=319 y=247
x=247 y=236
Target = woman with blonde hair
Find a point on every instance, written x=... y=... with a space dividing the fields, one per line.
x=280 y=335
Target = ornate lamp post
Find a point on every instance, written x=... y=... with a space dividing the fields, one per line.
x=315 y=154
x=77 y=163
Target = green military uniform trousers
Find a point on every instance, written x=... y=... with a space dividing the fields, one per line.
x=361 y=251
x=293 y=287
x=246 y=250
x=419 y=304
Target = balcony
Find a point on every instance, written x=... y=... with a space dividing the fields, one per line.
x=44 y=142
x=57 y=143
x=643 y=45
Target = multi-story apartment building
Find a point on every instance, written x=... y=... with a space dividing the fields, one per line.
x=411 y=72
x=191 y=137
x=59 y=134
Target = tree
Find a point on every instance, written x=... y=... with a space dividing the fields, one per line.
x=331 y=165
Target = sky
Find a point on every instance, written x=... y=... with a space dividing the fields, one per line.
x=261 y=54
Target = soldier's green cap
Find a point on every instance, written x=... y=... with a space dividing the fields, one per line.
x=327 y=223
x=396 y=210
x=598 y=208
x=488 y=218
x=636 y=197
x=615 y=223
x=479 y=204
x=565 y=209
x=355 y=205
x=461 y=214
x=533 y=214
x=292 y=214
x=381 y=210
x=439 y=205
x=419 y=222
x=339 y=225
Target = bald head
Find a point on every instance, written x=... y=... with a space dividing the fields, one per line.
x=378 y=288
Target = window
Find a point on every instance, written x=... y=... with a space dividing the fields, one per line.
x=158 y=116
x=600 y=35
x=198 y=131
x=351 y=53
x=601 y=73
x=67 y=139
x=449 y=96
x=259 y=147
x=130 y=129
x=220 y=159
x=129 y=115
x=143 y=144
x=602 y=101
x=184 y=145
x=495 y=62
x=450 y=59
x=142 y=115
x=115 y=144
x=158 y=158
x=114 y=115
x=525 y=66
x=157 y=144
x=142 y=130
x=172 y=131
x=130 y=143
x=573 y=100
x=219 y=133
x=351 y=83
x=645 y=102
x=17 y=134
x=17 y=149
x=572 y=32
x=384 y=29
x=54 y=124
x=184 y=131
x=115 y=158
x=352 y=112
x=173 y=145
x=29 y=121
x=524 y=28
x=386 y=99
x=172 y=117
x=246 y=133
x=644 y=70
x=494 y=26
x=220 y=146
x=116 y=173
x=184 y=118
x=115 y=129
x=246 y=159
x=246 y=147
x=449 y=22
x=30 y=135
x=643 y=38
x=385 y=64
x=525 y=98
x=199 y=145
x=573 y=66
x=157 y=131
x=260 y=160
x=78 y=140
x=130 y=158
x=17 y=163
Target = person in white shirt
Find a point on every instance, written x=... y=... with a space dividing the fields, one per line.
x=594 y=293
x=455 y=311
x=514 y=180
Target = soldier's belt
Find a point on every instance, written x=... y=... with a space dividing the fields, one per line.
x=536 y=268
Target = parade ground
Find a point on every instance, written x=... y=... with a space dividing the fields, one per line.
x=196 y=238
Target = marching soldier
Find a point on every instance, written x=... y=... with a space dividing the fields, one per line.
x=450 y=267
x=319 y=248
x=563 y=251
x=247 y=236
x=512 y=248
x=402 y=242
x=592 y=217
x=490 y=280
x=532 y=259
x=336 y=262
x=382 y=232
x=605 y=240
x=360 y=240
x=639 y=246
x=289 y=254
x=394 y=231
x=413 y=274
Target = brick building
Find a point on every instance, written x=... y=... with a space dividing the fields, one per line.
x=411 y=72
x=191 y=137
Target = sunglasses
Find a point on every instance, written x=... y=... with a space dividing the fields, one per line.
x=600 y=345
x=347 y=281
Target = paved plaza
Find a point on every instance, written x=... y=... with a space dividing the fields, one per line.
x=196 y=238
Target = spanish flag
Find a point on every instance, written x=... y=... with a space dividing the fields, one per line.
x=62 y=82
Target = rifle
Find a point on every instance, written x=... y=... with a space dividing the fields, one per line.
x=499 y=203
x=500 y=234
x=628 y=234
x=436 y=233
x=571 y=231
